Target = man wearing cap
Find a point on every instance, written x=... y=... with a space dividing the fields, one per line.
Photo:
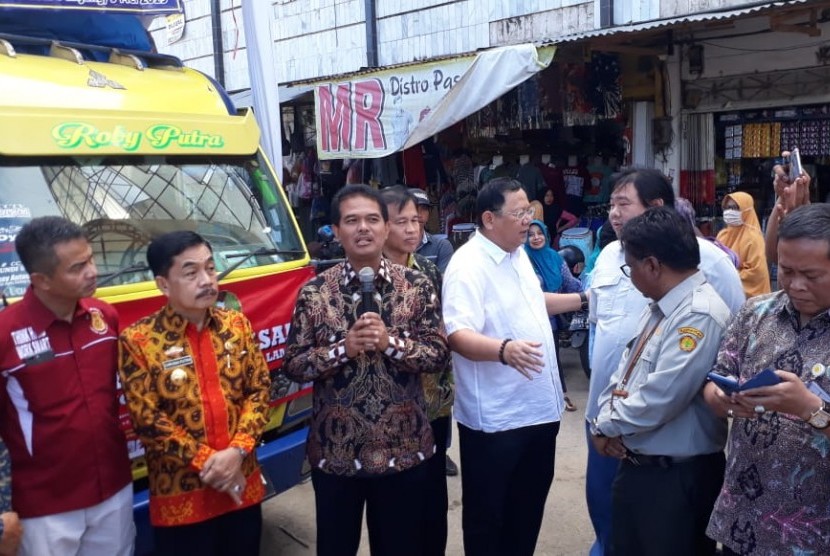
x=438 y=250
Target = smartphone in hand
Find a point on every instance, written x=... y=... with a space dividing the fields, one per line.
x=730 y=384
x=795 y=168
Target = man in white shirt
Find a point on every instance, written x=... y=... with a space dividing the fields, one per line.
x=508 y=396
x=615 y=308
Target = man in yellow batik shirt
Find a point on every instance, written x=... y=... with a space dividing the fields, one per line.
x=197 y=387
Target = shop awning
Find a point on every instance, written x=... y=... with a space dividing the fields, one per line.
x=373 y=113
x=245 y=98
x=664 y=24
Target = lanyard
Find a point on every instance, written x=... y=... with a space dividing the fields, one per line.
x=620 y=391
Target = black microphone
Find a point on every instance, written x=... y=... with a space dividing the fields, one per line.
x=367 y=289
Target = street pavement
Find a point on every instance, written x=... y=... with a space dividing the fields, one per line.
x=288 y=519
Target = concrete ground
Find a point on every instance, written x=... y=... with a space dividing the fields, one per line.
x=288 y=528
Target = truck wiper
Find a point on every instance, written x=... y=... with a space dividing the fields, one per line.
x=135 y=267
x=245 y=256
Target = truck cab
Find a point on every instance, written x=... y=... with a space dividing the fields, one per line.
x=131 y=144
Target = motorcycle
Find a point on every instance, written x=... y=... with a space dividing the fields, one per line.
x=577 y=322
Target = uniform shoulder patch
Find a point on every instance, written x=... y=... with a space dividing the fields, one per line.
x=690 y=331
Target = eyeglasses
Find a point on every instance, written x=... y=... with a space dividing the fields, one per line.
x=520 y=214
x=626 y=268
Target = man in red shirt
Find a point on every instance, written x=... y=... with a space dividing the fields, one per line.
x=71 y=478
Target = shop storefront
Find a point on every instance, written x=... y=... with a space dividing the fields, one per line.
x=748 y=142
x=749 y=91
x=448 y=126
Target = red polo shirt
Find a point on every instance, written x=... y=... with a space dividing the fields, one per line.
x=58 y=406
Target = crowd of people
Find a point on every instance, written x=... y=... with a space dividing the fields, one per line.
x=437 y=335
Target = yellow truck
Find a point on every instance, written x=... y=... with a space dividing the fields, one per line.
x=129 y=145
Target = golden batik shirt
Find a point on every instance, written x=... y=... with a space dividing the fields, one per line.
x=369 y=416
x=192 y=393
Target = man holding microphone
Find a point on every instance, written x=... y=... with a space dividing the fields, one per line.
x=370 y=433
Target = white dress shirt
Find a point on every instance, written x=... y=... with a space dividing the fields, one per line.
x=497 y=294
x=616 y=306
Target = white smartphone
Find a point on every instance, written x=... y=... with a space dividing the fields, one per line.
x=795 y=165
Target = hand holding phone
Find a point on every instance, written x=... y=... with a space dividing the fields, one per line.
x=730 y=385
x=790 y=182
x=795 y=168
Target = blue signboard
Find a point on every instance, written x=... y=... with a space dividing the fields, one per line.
x=123 y=6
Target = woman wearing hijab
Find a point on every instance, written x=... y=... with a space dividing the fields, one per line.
x=554 y=217
x=743 y=235
x=555 y=277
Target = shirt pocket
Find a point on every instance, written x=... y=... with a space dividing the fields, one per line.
x=645 y=364
x=609 y=290
x=48 y=389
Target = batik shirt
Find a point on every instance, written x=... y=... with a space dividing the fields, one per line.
x=438 y=388
x=776 y=495
x=369 y=416
x=5 y=482
x=191 y=393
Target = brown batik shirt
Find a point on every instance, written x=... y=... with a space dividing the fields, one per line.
x=369 y=415
x=775 y=499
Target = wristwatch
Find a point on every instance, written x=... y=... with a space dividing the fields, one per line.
x=583 y=299
x=242 y=451
x=820 y=418
x=594 y=428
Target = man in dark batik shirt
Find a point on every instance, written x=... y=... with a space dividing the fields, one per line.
x=370 y=432
x=774 y=499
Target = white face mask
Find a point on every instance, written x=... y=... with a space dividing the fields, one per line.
x=732 y=217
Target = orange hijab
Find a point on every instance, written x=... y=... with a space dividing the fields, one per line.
x=748 y=242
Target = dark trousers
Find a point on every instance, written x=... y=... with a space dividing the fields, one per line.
x=235 y=533
x=665 y=510
x=435 y=514
x=505 y=482
x=394 y=512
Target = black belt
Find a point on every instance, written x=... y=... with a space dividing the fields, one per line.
x=642 y=460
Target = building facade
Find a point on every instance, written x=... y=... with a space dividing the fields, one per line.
x=700 y=79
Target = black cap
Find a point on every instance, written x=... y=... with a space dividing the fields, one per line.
x=421 y=197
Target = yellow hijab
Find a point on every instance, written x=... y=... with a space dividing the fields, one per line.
x=748 y=242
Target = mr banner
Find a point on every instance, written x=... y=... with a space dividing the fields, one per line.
x=375 y=114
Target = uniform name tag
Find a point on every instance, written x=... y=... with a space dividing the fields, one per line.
x=180 y=362
x=32 y=347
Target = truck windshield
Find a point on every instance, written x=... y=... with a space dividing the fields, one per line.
x=123 y=203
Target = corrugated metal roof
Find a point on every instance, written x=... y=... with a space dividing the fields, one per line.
x=658 y=24
x=365 y=71
x=652 y=25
